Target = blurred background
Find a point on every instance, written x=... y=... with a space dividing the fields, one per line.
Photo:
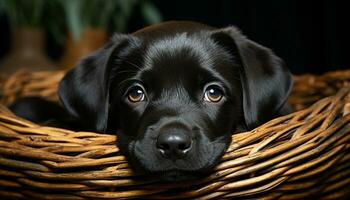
x=311 y=36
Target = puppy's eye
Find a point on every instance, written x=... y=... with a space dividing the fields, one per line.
x=136 y=94
x=213 y=93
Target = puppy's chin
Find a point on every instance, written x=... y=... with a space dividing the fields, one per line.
x=176 y=176
x=143 y=158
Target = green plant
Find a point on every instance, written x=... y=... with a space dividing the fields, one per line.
x=76 y=15
x=80 y=14
x=23 y=13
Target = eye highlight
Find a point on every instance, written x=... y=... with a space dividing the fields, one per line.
x=136 y=94
x=213 y=93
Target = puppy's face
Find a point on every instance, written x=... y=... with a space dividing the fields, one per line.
x=175 y=92
x=175 y=101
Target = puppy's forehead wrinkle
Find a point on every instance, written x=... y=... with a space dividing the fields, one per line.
x=182 y=42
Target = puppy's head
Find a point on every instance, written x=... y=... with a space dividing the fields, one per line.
x=175 y=92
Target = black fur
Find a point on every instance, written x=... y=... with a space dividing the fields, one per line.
x=174 y=61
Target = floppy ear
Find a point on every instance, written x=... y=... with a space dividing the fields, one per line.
x=266 y=81
x=84 y=91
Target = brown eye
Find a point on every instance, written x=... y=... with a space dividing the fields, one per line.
x=213 y=93
x=136 y=94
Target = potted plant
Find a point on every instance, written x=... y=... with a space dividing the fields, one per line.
x=27 y=36
x=87 y=22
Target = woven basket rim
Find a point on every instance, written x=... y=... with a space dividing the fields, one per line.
x=270 y=161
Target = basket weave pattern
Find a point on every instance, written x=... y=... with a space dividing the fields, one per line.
x=302 y=155
x=23 y=83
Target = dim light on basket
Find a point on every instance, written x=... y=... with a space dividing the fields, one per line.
x=305 y=154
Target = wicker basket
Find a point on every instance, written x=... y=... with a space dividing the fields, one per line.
x=303 y=155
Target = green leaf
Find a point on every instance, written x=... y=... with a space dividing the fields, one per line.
x=150 y=13
x=72 y=10
x=75 y=15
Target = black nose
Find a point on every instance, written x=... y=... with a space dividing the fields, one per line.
x=174 y=145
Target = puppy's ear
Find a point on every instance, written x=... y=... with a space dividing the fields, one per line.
x=266 y=81
x=84 y=91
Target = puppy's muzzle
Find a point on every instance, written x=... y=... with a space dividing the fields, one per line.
x=174 y=143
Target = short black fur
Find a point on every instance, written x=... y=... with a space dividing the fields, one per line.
x=173 y=63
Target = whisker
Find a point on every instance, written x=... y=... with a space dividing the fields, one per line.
x=133 y=64
x=122 y=82
x=125 y=71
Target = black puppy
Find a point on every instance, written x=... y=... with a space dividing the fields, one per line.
x=175 y=92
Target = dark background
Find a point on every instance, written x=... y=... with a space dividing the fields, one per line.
x=311 y=36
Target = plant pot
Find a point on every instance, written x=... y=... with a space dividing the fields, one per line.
x=27 y=51
x=90 y=40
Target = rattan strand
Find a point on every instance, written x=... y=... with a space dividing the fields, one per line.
x=302 y=155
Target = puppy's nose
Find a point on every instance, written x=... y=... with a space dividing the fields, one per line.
x=174 y=145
